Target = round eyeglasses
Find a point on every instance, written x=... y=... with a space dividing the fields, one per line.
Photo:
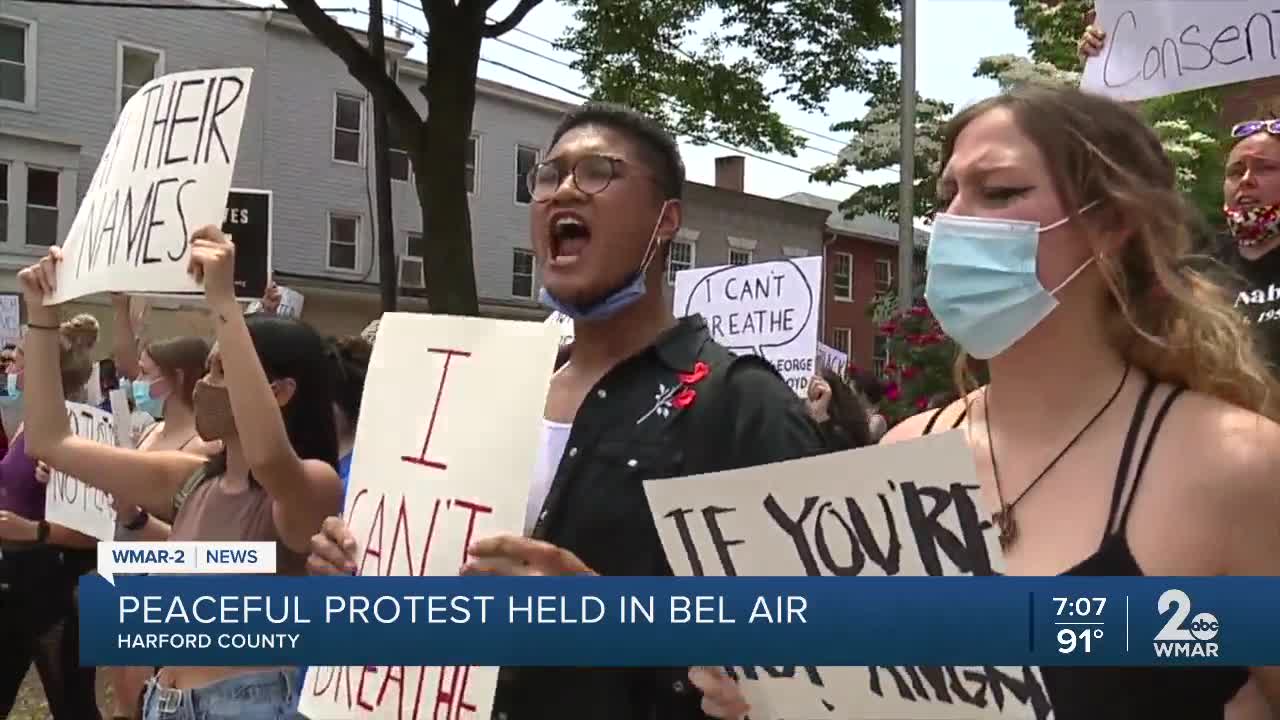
x=1253 y=127
x=591 y=175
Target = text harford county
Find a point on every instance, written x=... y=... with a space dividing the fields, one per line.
x=458 y=609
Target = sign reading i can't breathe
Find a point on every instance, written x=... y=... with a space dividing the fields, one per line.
x=768 y=309
x=165 y=172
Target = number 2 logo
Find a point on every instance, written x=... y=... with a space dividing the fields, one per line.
x=1203 y=626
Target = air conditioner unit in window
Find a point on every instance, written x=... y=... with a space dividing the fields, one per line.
x=411 y=274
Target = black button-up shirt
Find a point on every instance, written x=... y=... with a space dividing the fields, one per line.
x=630 y=429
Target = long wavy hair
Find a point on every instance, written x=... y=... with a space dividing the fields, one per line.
x=1170 y=319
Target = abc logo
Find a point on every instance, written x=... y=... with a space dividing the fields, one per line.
x=1204 y=627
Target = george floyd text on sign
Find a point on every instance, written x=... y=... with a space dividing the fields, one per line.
x=165 y=172
x=69 y=502
x=905 y=509
x=767 y=308
x=1161 y=47
x=426 y=481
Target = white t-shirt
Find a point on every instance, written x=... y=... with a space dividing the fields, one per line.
x=555 y=436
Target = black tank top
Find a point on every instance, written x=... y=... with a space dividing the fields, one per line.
x=1134 y=693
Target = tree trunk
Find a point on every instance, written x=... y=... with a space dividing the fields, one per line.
x=388 y=268
x=453 y=56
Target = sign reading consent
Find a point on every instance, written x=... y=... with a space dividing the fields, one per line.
x=165 y=172
x=768 y=309
x=69 y=502
x=909 y=508
x=429 y=477
x=1161 y=47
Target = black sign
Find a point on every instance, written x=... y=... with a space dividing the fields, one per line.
x=248 y=222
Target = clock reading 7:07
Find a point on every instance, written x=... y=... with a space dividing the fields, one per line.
x=1080 y=607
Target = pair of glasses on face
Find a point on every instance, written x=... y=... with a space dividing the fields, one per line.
x=591 y=175
x=1253 y=127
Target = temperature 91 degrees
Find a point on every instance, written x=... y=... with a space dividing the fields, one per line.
x=1077 y=615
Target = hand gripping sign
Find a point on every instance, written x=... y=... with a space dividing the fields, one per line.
x=768 y=309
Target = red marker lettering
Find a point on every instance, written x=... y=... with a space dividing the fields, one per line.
x=398 y=680
x=421 y=459
x=364 y=673
x=454 y=701
x=471 y=522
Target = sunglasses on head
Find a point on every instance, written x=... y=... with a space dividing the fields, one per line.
x=1253 y=127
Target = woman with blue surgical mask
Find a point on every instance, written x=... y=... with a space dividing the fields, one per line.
x=1128 y=428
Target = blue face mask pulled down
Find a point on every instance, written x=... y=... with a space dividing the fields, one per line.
x=143 y=401
x=618 y=300
x=982 y=284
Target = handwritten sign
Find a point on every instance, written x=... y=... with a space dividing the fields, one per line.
x=165 y=172
x=1161 y=47
x=909 y=508
x=832 y=359
x=563 y=325
x=71 y=503
x=10 y=320
x=768 y=309
x=431 y=476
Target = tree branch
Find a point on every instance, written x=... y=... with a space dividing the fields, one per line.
x=498 y=29
x=360 y=64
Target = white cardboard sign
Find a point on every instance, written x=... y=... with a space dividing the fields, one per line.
x=859 y=512
x=10 y=320
x=832 y=359
x=71 y=503
x=164 y=173
x=767 y=308
x=1161 y=47
x=563 y=324
x=431 y=476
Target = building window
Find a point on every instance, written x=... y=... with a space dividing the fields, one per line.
x=397 y=157
x=842 y=276
x=17 y=61
x=680 y=258
x=881 y=358
x=415 y=246
x=4 y=202
x=344 y=235
x=526 y=158
x=348 y=128
x=841 y=339
x=473 y=164
x=739 y=257
x=42 y=206
x=522 y=273
x=884 y=276
x=135 y=66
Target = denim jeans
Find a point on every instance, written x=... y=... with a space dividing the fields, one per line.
x=257 y=696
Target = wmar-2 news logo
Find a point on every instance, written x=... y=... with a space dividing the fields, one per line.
x=1178 y=639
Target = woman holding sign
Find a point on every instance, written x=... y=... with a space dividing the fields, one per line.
x=40 y=562
x=267 y=396
x=1129 y=425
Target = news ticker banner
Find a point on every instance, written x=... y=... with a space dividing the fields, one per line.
x=185 y=558
x=617 y=622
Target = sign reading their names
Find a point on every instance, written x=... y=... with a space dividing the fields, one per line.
x=430 y=476
x=164 y=173
x=1161 y=47
x=767 y=308
x=905 y=509
x=71 y=503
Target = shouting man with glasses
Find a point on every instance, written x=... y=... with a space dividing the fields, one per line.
x=639 y=395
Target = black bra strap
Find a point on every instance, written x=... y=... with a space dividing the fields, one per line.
x=1126 y=455
x=928 y=428
x=1146 y=454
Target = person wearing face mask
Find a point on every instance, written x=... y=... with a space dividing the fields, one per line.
x=1251 y=208
x=267 y=396
x=1129 y=425
x=638 y=395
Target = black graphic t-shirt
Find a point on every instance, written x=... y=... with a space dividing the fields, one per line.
x=1255 y=289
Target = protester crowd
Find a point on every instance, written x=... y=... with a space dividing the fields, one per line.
x=1128 y=426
